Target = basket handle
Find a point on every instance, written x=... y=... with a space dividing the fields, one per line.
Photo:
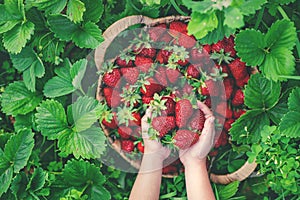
x=238 y=175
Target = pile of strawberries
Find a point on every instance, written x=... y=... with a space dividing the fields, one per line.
x=168 y=69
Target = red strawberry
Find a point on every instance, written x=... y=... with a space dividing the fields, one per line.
x=125 y=132
x=161 y=76
x=238 y=98
x=229 y=113
x=170 y=104
x=183 y=111
x=157 y=32
x=123 y=63
x=140 y=147
x=112 y=124
x=238 y=113
x=204 y=90
x=221 y=108
x=151 y=89
x=197 y=121
x=183 y=139
x=177 y=27
x=222 y=140
x=148 y=52
x=227 y=124
x=170 y=169
x=163 y=124
x=228 y=85
x=206 y=48
x=131 y=74
x=143 y=63
x=224 y=68
x=127 y=145
x=183 y=62
x=163 y=56
x=228 y=44
x=112 y=97
x=146 y=100
x=166 y=38
x=213 y=87
x=136 y=132
x=136 y=121
x=243 y=81
x=238 y=69
x=186 y=41
x=207 y=102
x=111 y=78
x=193 y=71
x=173 y=75
x=187 y=89
x=217 y=47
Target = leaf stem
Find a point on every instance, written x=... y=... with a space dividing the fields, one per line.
x=177 y=8
x=259 y=18
x=290 y=77
x=50 y=147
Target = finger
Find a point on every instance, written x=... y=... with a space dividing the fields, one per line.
x=146 y=122
x=207 y=112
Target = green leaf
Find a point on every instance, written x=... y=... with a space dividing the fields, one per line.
x=75 y=10
x=228 y=191
x=5 y=179
x=278 y=62
x=24 y=59
x=15 y=7
x=84 y=113
x=7 y=20
x=37 y=180
x=85 y=175
x=49 y=6
x=16 y=38
x=17 y=99
x=89 y=143
x=247 y=128
x=18 y=185
x=294 y=100
x=18 y=149
x=261 y=93
x=249 y=7
x=77 y=72
x=281 y=34
x=206 y=5
x=62 y=27
x=94 y=10
x=24 y=121
x=233 y=18
x=250 y=46
x=290 y=124
x=58 y=86
x=51 y=119
x=278 y=111
x=29 y=78
x=201 y=24
x=88 y=36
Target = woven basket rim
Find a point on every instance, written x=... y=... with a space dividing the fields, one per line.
x=110 y=33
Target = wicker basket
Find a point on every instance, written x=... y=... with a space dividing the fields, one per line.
x=109 y=35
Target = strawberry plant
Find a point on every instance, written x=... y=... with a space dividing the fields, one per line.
x=241 y=58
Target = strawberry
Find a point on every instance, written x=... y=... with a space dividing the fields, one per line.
x=151 y=89
x=163 y=124
x=161 y=76
x=243 y=81
x=143 y=63
x=221 y=108
x=130 y=74
x=183 y=111
x=213 y=87
x=112 y=97
x=193 y=71
x=197 y=121
x=186 y=41
x=127 y=145
x=146 y=100
x=123 y=63
x=136 y=121
x=176 y=28
x=217 y=47
x=206 y=48
x=157 y=32
x=238 y=69
x=238 y=113
x=166 y=38
x=124 y=132
x=173 y=75
x=238 y=98
x=112 y=124
x=148 y=52
x=170 y=169
x=227 y=124
x=187 y=89
x=229 y=113
x=140 y=147
x=224 y=68
x=111 y=78
x=204 y=90
x=183 y=139
x=163 y=56
x=222 y=140
x=170 y=104
x=207 y=102
x=182 y=62
x=228 y=85
x=136 y=132
x=228 y=44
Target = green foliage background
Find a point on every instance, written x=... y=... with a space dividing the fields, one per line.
x=49 y=143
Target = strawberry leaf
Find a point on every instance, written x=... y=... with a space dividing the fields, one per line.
x=294 y=100
x=247 y=128
x=201 y=24
x=51 y=119
x=7 y=20
x=233 y=18
x=75 y=10
x=16 y=38
x=249 y=7
x=261 y=93
x=17 y=99
x=228 y=191
x=37 y=180
x=94 y=10
x=49 y=6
